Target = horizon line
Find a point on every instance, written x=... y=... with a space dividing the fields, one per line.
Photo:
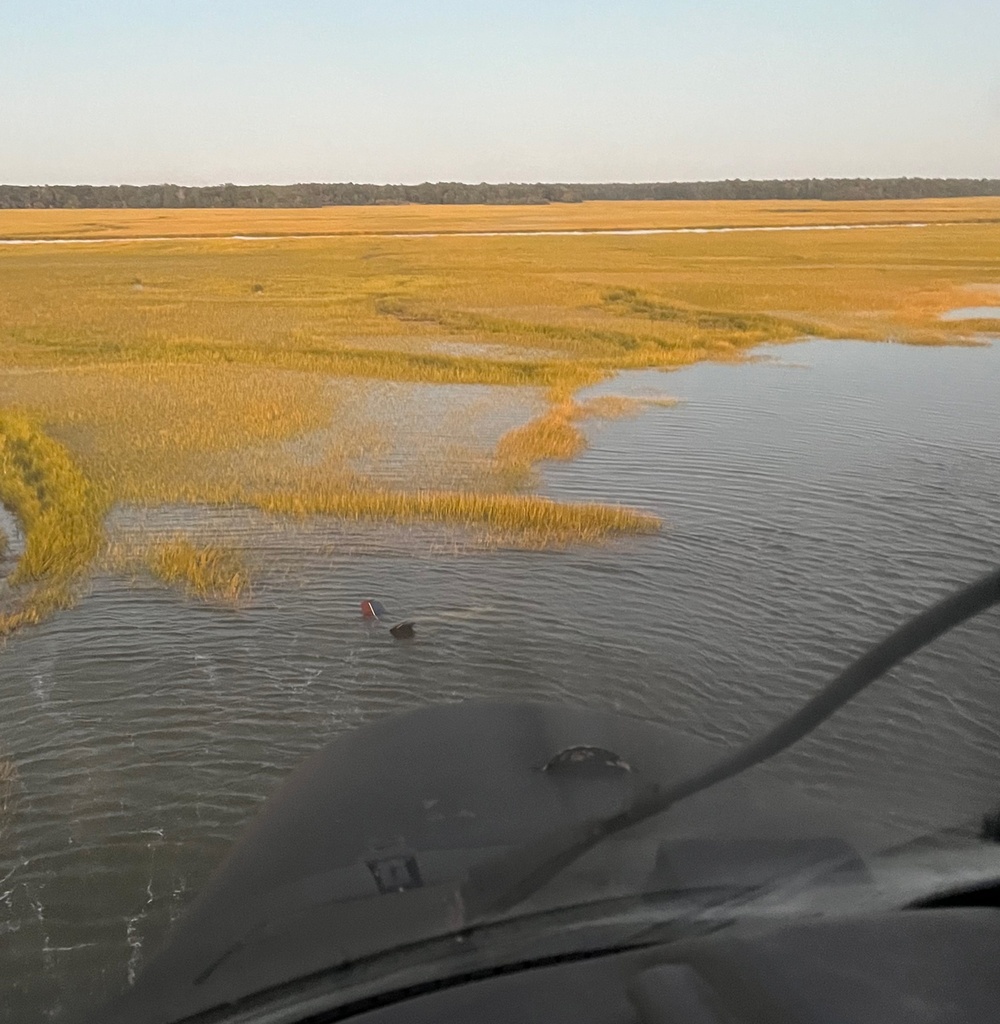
x=500 y=183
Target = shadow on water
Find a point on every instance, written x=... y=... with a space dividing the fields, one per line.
x=808 y=511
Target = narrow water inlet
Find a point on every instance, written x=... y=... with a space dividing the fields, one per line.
x=972 y=313
x=539 y=233
x=11 y=552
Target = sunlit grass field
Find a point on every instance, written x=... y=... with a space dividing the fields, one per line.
x=211 y=370
x=417 y=218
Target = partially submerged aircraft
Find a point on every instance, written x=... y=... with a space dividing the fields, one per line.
x=375 y=611
x=519 y=862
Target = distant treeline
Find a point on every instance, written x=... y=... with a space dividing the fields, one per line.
x=38 y=197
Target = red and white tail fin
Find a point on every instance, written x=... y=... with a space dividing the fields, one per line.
x=372 y=609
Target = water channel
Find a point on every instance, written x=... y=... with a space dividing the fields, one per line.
x=812 y=498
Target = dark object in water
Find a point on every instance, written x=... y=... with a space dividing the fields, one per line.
x=372 y=609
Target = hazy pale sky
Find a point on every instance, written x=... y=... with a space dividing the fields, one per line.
x=105 y=91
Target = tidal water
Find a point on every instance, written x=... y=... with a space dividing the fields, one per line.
x=973 y=313
x=540 y=233
x=812 y=499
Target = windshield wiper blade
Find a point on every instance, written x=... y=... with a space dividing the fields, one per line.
x=496 y=886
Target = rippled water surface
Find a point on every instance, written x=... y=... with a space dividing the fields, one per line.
x=812 y=498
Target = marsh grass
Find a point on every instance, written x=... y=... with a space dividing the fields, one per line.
x=138 y=430
x=522 y=520
x=553 y=435
x=751 y=327
x=192 y=370
x=209 y=571
x=614 y=407
x=556 y=435
x=575 y=216
x=61 y=516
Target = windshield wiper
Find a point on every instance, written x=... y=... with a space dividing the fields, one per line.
x=496 y=886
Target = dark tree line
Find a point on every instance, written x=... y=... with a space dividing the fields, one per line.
x=36 y=197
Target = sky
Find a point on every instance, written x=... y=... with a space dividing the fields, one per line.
x=103 y=91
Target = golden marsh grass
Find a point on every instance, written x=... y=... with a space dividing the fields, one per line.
x=60 y=513
x=556 y=435
x=553 y=435
x=376 y=220
x=210 y=571
x=524 y=520
x=190 y=370
x=137 y=429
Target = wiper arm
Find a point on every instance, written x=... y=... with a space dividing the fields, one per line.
x=495 y=886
